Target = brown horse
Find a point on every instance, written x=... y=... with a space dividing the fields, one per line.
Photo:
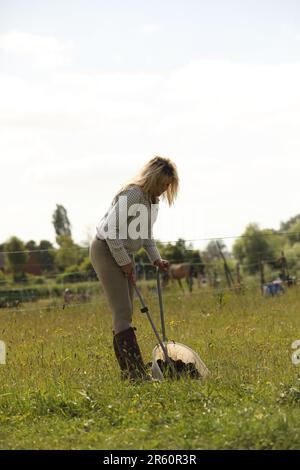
x=177 y=272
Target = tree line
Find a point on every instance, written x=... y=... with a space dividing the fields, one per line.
x=21 y=259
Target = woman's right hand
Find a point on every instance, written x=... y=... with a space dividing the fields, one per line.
x=129 y=272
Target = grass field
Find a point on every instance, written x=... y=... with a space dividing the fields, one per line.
x=60 y=388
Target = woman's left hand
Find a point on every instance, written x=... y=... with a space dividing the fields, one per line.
x=162 y=264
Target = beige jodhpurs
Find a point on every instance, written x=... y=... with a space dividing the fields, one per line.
x=117 y=288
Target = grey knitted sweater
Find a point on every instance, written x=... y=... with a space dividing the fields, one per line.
x=122 y=220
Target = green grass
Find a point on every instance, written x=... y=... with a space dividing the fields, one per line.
x=60 y=388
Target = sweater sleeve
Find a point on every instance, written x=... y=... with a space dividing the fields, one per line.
x=151 y=249
x=117 y=222
x=150 y=245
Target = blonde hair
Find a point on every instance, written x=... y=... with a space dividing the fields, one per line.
x=154 y=172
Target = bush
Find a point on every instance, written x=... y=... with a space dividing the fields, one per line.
x=15 y=297
x=81 y=273
x=32 y=279
x=72 y=274
x=87 y=268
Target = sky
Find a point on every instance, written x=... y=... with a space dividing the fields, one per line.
x=91 y=90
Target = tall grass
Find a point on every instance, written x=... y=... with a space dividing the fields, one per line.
x=60 y=387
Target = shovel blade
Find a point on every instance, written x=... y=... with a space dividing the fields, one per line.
x=186 y=361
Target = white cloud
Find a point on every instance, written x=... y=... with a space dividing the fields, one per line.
x=232 y=128
x=150 y=28
x=42 y=50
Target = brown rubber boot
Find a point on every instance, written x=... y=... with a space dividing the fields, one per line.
x=121 y=360
x=130 y=357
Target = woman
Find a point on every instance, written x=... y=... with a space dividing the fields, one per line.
x=118 y=237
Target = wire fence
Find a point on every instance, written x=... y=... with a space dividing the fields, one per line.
x=86 y=248
x=210 y=265
x=190 y=260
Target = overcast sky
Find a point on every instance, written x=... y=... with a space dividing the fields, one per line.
x=91 y=90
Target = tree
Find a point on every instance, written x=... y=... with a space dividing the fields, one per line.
x=294 y=235
x=17 y=258
x=31 y=245
x=292 y=254
x=180 y=252
x=2 y=257
x=62 y=225
x=211 y=251
x=46 y=256
x=254 y=245
x=287 y=226
x=68 y=253
x=175 y=253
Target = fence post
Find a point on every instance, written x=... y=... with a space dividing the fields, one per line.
x=283 y=266
x=262 y=275
x=227 y=271
x=238 y=277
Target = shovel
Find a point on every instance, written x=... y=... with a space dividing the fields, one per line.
x=169 y=351
x=145 y=309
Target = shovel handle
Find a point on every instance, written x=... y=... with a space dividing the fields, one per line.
x=145 y=309
x=161 y=308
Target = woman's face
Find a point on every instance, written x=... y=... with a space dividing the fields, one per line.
x=161 y=186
